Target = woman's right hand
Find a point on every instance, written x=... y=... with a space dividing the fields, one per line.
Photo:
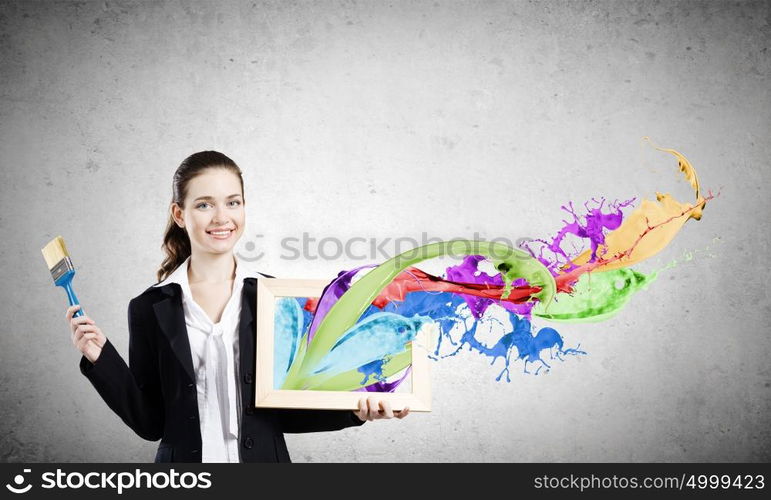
x=86 y=336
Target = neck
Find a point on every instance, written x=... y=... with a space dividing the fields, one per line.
x=211 y=268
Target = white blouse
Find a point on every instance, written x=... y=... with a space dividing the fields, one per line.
x=214 y=348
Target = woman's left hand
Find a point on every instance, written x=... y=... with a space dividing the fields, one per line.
x=372 y=409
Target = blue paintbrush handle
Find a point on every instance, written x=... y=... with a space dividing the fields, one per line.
x=66 y=282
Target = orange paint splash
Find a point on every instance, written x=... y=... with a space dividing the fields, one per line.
x=646 y=231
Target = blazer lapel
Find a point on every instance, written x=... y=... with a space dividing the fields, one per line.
x=171 y=318
x=246 y=327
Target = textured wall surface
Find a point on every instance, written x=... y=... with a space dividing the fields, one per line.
x=385 y=120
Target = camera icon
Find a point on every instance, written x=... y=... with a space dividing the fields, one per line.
x=18 y=480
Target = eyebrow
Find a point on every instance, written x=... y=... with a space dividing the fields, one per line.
x=211 y=197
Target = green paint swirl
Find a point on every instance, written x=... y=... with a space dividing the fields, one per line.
x=597 y=296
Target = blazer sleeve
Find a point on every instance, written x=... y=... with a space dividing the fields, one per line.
x=296 y=421
x=133 y=393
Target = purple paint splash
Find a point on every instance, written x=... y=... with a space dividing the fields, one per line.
x=330 y=294
x=468 y=272
x=593 y=228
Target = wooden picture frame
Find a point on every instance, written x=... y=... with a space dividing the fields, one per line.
x=418 y=397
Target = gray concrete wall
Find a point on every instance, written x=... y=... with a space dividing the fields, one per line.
x=388 y=119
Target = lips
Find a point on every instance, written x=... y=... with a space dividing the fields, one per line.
x=220 y=234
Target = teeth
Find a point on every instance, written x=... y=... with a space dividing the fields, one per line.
x=219 y=233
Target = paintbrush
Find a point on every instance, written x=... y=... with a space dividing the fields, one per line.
x=62 y=270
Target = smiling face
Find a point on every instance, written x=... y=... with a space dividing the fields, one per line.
x=213 y=213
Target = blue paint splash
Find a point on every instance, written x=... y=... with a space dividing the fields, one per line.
x=453 y=315
x=372 y=340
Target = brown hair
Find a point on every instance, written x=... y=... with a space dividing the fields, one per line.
x=176 y=242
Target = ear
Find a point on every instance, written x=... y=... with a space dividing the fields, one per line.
x=177 y=215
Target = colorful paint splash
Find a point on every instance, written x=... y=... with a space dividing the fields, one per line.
x=358 y=335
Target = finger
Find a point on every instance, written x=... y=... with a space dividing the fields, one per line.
x=71 y=315
x=100 y=338
x=90 y=338
x=90 y=350
x=387 y=412
x=357 y=411
x=403 y=413
x=81 y=320
x=85 y=328
x=85 y=339
x=362 y=413
x=71 y=310
x=374 y=408
x=77 y=334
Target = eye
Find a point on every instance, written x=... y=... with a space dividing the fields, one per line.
x=201 y=204
x=237 y=202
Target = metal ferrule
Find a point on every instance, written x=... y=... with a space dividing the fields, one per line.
x=63 y=267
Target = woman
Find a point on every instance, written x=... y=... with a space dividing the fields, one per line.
x=191 y=339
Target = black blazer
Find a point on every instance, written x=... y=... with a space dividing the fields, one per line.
x=156 y=394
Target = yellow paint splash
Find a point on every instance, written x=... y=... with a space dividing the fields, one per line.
x=649 y=228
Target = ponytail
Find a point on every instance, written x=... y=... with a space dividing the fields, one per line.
x=176 y=245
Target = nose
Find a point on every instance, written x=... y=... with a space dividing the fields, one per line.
x=219 y=216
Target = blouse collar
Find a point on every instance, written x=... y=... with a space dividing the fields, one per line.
x=179 y=275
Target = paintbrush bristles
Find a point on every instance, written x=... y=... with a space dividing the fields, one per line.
x=54 y=252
